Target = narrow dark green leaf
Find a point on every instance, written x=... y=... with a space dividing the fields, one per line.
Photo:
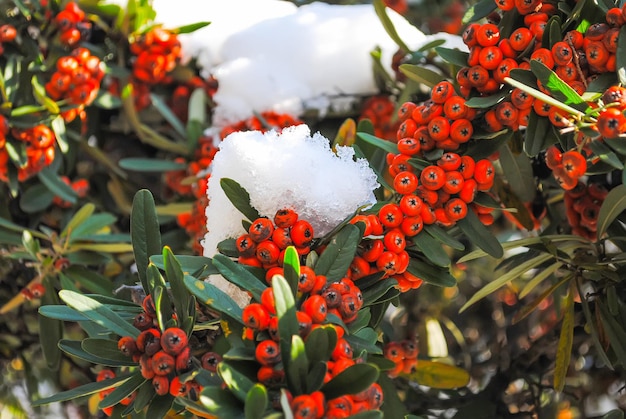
x=221 y=403
x=320 y=344
x=36 y=198
x=443 y=236
x=168 y=115
x=98 y=313
x=339 y=253
x=192 y=27
x=159 y=406
x=190 y=264
x=140 y=164
x=453 y=56
x=61 y=312
x=371 y=295
x=387 y=146
x=211 y=296
x=90 y=280
x=393 y=406
x=483 y=102
x=74 y=348
x=614 y=204
x=256 y=402
x=478 y=234
x=52 y=330
x=518 y=170
x=421 y=75
x=144 y=232
x=364 y=340
x=239 y=275
x=606 y=154
x=122 y=391
x=614 y=332
x=592 y=325
x=105 y=348
x=614 y=414
x=431 y=274
x=315 y=378
x=53 y=182
x=381 y=12
x=236 y=382
x=175 y=276
x=239 y=197
x=432 y=249
x=566 y=340
x=352 y=380
x=84 y=390
x=145 y=394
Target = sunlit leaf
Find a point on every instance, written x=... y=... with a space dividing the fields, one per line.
x=98 y=313
x=256 y=402
x=539 y=278
x=479 y=10
x=566 y=340
x=212 y=296
x=82 y=215
x=438 y=375
x=140 y=164
x=236 y=382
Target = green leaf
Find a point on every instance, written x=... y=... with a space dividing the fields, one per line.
x=236 y=382
x=431 y=248
x=39 y=92
x=606 y=154
x=239 y=197
x=145 y=394
x=92 y=225
x=98 y=313
x=453 y=56
x=159 y=406
x=431 y=274
x=291 y=268
x=82 y=215
x=539 y=134
x=368 y=414
x=518 y=170
x=256 y=402
x=61 y=312
x=53 y=330
x=239 y=275
x=441 y=235
x=381 y=12
x=620 y=55
x=479 y=10
x=352 y=380
x=478 y=234
x=530 y=307
x=140 y=164
x=144 y=232
x=385 y=145
x=615 y=333
x=122 y=391
x=614 y=204
x=74 y=348
x=371 y=295
x=196 y=117
x=298 y=369
x=614 y=414
x=53 y=182
x=483 y=102
x=104 y=348
x=320 y=344
x=421 y=74
x=393 y=407
x=192 y=27
x=508 y=276
x=335 y=261
x=180 y=294
x=221 y=403
x=58 y=127
x=168 y=115
x=213 y=297
x=439 y=375
x=566 y=341
x=36 y=198
x=288 y=325
x=190 y=264
x=90 y=280
x=30 y=244
x=512 y=80
x=540 y=277
x=84 y=390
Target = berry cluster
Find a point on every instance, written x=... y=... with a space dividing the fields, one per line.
x=379 y=110
x=162 y=355
x=582 y=204
x=404 y=356
x=264 y=122
x=38 y=142
x=319 y=299
x=73 y=27
x=265 y=242
x=8 y=33
x=443 y=122
x=566 y=167
x=77 y=78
